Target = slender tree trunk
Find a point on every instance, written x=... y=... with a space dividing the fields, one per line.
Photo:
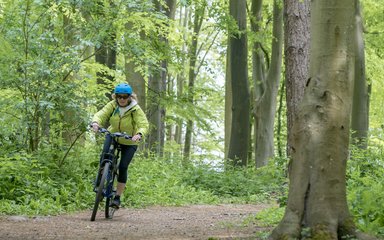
x=238 y=145
x=153 y=112
x=157 y=91
x=105 y=55
x=71 y=119
x=317 y=190
x=296 y=52
x=360 y=109
x=279 y=130
x=266 y=104
x=198 y=21
x=181 y=78
x=258 y=66
x=228 y=103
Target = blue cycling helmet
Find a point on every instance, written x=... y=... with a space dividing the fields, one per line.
x=123 y=88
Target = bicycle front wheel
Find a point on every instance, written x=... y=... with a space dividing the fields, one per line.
x=111 y=193
x=101 y=188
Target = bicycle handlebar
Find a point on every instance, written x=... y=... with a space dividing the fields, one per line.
x=115 y=134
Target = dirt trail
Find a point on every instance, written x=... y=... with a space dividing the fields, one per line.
x=189 y=222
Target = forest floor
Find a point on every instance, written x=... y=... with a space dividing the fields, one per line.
x=224 y=221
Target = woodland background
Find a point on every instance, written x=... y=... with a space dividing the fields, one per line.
x=59 y=61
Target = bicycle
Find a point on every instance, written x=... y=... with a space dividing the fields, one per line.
x=108 y=170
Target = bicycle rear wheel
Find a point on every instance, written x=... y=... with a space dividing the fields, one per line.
x=102 y=186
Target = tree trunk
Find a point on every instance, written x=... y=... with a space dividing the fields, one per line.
x=71 y=119
x=238 y=145
x=153 y=112
x=198 y=21
x=360 y=107
x=136 y=80
x=297 y=37
x=134 y=77
x=105 y=55
x=181 y=78
x=317 y=190
x=157 y=90
x=228 y=104
x=258 y=66
x=266 y=104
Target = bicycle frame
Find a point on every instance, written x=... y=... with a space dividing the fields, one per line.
x=105 y=179
x=112 y=172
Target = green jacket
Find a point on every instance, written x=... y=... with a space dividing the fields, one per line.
x=132 y=122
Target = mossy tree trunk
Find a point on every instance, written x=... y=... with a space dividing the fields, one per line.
x=317 y=191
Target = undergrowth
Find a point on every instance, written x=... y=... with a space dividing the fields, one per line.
x=45 y=184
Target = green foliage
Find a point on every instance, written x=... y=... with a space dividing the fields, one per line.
x=159 y=182
x=267 y=217
x=366 y=191
x=35 y=185
x=48 y=75
x=238 y=184
x=373 y=20
x=38 y=184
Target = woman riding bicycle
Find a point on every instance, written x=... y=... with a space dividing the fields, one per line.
x=124 y=115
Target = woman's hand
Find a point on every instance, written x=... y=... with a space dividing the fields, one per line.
x=136 y=137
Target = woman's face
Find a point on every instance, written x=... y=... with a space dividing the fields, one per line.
x=123 y=99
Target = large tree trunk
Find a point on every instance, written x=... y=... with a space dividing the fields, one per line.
x=136 y=80
x=296 y=55
x=360 y=109
x=238 y=145
x=134 y=77
x=266 y=104
x=317 y=190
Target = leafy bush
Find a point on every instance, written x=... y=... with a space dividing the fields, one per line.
x=366 y=191
x=238 y=184
x=154 y=181
x=32 y=184
x=45 y=184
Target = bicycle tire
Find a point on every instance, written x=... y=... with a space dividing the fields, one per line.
x=108 y=213
x=107 y=203
x=99 y=195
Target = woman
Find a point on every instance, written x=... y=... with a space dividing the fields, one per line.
x=124 y=115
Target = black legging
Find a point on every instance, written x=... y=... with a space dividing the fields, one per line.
x=127 y=153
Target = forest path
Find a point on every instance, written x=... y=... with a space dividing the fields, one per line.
x=224 y=221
